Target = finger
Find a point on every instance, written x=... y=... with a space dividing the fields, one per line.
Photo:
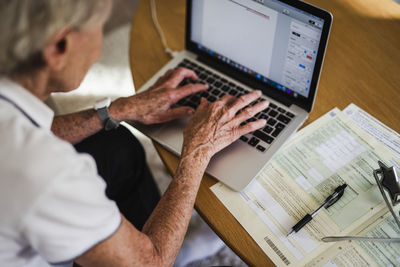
x=189 y=89
x=227 y=99
x=167 y=75
x=203 y=104
x=244 y=100
x=251 y=127
x=179 y=75
x=163 y=78
x=251 y=111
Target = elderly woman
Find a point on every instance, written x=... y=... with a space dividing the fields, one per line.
x=55 y=208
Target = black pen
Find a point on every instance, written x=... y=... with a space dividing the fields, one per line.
x=329 y=201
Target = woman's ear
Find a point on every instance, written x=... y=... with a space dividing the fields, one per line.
x=55 y=52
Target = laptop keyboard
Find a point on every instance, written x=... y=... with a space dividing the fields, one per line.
x=277 y=117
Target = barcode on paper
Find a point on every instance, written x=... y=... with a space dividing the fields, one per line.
x=277 y=251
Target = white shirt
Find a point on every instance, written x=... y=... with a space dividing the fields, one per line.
x=53 y=206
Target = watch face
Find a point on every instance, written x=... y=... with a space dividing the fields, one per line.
x=103 y=103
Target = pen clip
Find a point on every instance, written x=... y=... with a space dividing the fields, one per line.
x=335 y=199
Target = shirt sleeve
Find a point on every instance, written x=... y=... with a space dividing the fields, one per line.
x=72 y=215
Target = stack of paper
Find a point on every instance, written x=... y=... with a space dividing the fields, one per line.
x=337 y=148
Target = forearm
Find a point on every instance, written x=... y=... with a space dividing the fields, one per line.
x=212 y=128
x=75 y=127
x=168 y=223
x=150 y=107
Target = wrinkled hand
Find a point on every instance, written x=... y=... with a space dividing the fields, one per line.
x=154 y=105
x=215 y=126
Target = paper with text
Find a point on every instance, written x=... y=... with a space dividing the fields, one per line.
x=344 y=254
x=331 y=151
x=378 y=130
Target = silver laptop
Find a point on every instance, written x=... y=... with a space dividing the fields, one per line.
x=237 y=46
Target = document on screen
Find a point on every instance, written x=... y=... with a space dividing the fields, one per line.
x=253 y=34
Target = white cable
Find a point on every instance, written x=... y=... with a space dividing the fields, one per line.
x=168 y=50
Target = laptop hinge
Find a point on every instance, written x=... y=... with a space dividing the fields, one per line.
x=241 y=77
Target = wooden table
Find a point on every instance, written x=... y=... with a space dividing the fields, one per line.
x=362 y=66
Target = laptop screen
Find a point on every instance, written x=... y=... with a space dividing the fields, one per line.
x=276 y=43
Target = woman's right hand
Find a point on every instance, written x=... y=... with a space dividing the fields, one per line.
x=216 y=125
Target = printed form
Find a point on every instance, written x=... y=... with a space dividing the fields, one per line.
x=366 y=253
x=378 y=130
x=331 y=151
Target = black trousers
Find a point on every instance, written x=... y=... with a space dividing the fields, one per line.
x=121 y=161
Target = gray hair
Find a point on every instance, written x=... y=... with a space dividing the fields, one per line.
x=27 y=25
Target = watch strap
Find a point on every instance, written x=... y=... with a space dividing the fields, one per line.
x=111 y=124
x=105 y=118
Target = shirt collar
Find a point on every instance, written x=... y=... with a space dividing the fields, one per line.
x=33 y=106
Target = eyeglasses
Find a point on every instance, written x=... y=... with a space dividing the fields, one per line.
x=386 y=178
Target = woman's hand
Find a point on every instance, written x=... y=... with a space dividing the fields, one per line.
x=154 y=105
x=217 y=125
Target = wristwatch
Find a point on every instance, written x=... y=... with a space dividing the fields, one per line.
x=101 y=106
